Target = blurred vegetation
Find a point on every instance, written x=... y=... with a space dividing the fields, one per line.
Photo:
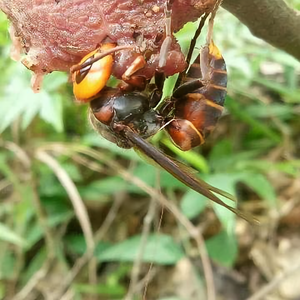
x=253 y=153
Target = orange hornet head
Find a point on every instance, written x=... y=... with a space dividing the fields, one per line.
x=90 y=80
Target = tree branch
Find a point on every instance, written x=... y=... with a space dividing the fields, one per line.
x=273 y=21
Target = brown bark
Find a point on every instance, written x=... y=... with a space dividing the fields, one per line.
x=273 y=21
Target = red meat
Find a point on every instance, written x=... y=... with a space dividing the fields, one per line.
x=55 y=34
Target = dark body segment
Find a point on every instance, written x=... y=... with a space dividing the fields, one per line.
x=200 y=101
x=113 y=110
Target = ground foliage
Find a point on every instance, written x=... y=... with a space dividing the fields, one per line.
x=253 y=153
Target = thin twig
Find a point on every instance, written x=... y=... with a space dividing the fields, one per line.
x=24 y=293
x=19 y=152
x=79 y=208
x=73 y=193
x=191 y=229
x=41 y=216
x=4 y=184
x=25 y=161
x=82 y=261
x=69 y=295
x=274 y=284
x=143 y=243
x=111 y=216
x=149 y=274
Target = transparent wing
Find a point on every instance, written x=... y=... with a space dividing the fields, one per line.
x=182 y=175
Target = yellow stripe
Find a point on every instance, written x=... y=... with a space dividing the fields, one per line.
x=220 y=71
x=214 y=51
x=218 y=87
x=213 y=104
x=197 y=131
x=196 y=96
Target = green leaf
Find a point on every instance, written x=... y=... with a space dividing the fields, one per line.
x=49 y=185
x=96 y=140
x=58 y=212
x=116 y=290
x=8 y=235
x=13 y=104
x=52 y=82
x=72 y=171
x=32 y=109
x=2 y=285
x=18 y=100
x=290 y=95
x=192 y=204
x=167 y=181
x=282 y=111
x=226 y=182
x=169 y=85
x=51 y=111
x=240 y=113
x=285 y=59
x=220 y=157
x=34 y=265
x=8 y=264
x=4 y=37
x=149 y=174
x=160 y=249
x=194 y=159
x=261 y=185
x=223 y=248
x=100 y=188
x=290 y=167
x=76 y=244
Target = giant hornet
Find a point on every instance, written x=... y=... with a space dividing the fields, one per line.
x=131 y=113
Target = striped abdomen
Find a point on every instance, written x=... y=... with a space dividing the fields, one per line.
x=199 y=103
